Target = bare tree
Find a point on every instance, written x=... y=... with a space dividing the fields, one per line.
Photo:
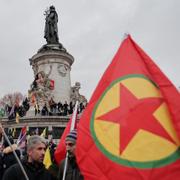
x=11 y=98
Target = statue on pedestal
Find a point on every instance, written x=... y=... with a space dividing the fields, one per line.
x=51 y=28
x=51 y=32
x=75 y=95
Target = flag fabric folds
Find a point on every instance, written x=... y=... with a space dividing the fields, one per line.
x=131 y=126
x=47 y=159
x=60 y=152
x=43 y=134
x=21 y=141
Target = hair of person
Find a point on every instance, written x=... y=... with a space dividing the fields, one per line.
x=34 y=140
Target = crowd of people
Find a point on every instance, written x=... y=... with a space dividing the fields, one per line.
x=11 y=111
x=49 y=109
x=59 y=108
x=31 y=164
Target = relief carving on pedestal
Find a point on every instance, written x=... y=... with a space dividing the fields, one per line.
x=62 y=70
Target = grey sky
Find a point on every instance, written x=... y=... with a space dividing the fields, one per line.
x=91 y=31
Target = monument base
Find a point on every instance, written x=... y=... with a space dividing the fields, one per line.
x=54 y=47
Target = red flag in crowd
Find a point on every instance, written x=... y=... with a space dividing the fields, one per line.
x=130 y=128
x=60 y=152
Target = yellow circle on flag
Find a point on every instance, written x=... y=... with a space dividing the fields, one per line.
x=145 y=149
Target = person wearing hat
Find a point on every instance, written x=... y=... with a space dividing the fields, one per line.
x=73 y=171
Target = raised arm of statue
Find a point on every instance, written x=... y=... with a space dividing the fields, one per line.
x=51 y=28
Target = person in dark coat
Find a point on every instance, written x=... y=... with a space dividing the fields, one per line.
x=73 y=171
x=65 y=108
x=44 y=111
x=33 y=165
x=8 y=158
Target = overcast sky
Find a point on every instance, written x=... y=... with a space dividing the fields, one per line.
x=91 y=31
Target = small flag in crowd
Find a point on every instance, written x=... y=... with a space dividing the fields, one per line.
x=47 y=158
x=22 y=137
x=17 y=117
x=43 y=134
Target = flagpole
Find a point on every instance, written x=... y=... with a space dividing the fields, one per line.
x=74 y=116
x=126 y=34
x=17 y=158
x=71 y=128
x=65 y=166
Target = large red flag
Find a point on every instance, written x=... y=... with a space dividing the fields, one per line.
x=130 y=128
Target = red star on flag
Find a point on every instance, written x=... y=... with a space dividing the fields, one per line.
x=135 y=114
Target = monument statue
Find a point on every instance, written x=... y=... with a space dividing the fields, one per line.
x=51 y=32
x=75 y=95
x=51 y=28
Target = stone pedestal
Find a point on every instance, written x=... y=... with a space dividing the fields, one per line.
x=52 y=82
x=56 y=64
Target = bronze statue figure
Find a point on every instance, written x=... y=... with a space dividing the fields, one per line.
x=51 y=28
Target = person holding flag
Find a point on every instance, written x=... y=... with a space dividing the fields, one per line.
x=33 y=165
x=65 y=151
x=7 y=154
x=72 y=170
x=60 y=152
